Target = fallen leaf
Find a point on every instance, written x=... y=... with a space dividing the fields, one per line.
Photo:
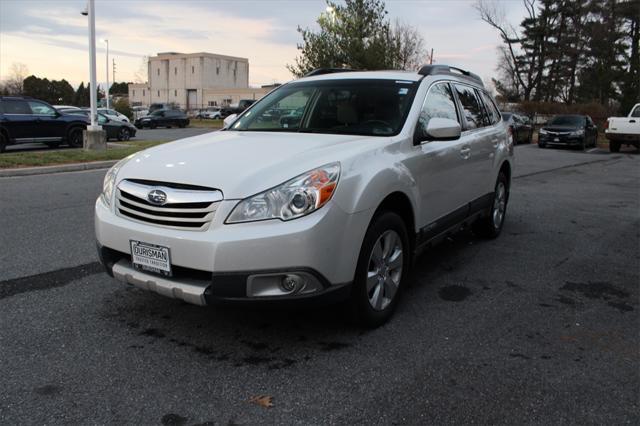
x=262 y=400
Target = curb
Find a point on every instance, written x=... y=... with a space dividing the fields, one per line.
x=75 y=167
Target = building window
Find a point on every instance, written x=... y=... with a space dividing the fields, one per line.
x=175 y=71
x=217 y=70
x=213 y=103
x=175 y=93
x=158 y=71
x=143 y=92
x=134 y=92
x=193 y=69
x=158 y=93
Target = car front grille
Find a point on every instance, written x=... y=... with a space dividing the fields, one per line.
x=184 y=206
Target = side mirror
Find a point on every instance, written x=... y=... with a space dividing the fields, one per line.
x=229 y=121
x=439 y=129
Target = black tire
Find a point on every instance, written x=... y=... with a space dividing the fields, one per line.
x=614 y=146
x=123 y=134
x=3 y=143
x=52 y=145
x=153 y=125
x=182 y=125
x=75 y=139
x=388 y=280
x=542 y=145
x=490 y=224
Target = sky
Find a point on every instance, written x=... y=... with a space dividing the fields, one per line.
x=51 y=37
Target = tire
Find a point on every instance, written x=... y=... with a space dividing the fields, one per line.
x=182 y=125
x=123 y=134
x=614 y=146
x=153 y=125
x=75 y=138
x=541 y=145
x=380 y=273
x=3 y=143
x=490 y=225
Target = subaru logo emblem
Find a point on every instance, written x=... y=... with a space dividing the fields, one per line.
x=157 y=197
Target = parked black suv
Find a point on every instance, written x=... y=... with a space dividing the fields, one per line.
x=577 y=131
x=27 y=120
x=163 y=118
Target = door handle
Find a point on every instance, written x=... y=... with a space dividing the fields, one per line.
x=632 y=121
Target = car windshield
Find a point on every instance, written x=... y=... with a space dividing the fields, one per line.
x=370 y=107
x=567 y=120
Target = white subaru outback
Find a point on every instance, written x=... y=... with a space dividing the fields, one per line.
x=324 y=189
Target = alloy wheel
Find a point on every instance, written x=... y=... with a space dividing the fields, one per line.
x=384 y=270
x=499 y=205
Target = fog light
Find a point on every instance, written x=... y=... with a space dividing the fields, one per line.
x=291 y=283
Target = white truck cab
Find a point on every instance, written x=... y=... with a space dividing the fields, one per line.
x=624 y=130
x=324 y=189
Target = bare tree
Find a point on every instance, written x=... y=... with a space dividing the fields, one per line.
x=14 y=83
x=142 y=75
x=409 y=47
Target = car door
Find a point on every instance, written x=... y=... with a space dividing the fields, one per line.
x=18 y=120
x=439 y=166
x=479 y=139
x=48 y=126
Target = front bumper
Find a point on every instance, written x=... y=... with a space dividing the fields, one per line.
x=563 y=139
x=224 y=260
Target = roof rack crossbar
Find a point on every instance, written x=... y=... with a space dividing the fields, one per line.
x=446 y=69
x=321 y=71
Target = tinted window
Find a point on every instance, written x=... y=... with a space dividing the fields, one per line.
x=490 y=107
x=636 y=112
x=568 y=120
x=39 y=108
x=470 y=106
x=15 y=107
x=349 y=106
x=101 y=119
x=506 y=116
x=439 y=103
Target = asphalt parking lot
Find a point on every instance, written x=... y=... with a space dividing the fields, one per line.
x=538 y=326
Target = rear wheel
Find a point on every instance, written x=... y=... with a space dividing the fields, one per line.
x=614 y=146
x=74 y=137
x=153 y=125
x=490 y=225
x=3 y=142
x=381 y=269
x=123 y=134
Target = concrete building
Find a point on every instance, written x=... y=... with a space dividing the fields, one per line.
x=194 y=81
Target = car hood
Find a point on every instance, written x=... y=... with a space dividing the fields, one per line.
x=240 y=164
x=561 y=128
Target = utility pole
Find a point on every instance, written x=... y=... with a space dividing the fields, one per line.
x=95 y=138
x=107 y=63
x=114 y=70
x=431 y=57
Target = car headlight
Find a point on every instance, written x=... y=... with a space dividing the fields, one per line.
x=110 y=180
x=577 y=133
x=295 y=198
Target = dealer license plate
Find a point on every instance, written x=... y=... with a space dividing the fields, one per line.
x=151 y=257
x=556 y=139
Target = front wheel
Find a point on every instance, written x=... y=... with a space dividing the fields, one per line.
x=491 y=224
x=382 y=267
x=74 y=138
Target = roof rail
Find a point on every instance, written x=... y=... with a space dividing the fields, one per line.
x=446 y=69
x=321 y=71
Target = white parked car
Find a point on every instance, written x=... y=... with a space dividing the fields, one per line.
x=334 y=204
x=113 y=114
x=624 y=130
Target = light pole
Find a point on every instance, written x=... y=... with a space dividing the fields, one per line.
x=94 y=136
x=104 y=40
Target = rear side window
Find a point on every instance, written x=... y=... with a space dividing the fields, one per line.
x=15 y=107
x=38 y=108
x=471 y=107
x=636 y=112
x=492 y=111
x=439 y=103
